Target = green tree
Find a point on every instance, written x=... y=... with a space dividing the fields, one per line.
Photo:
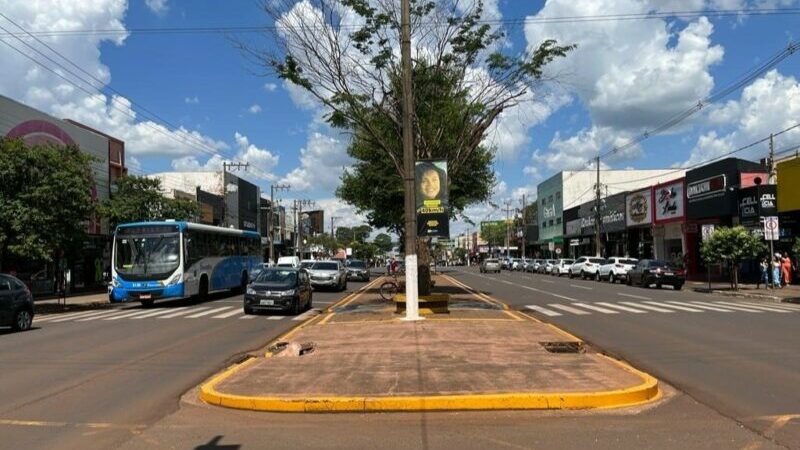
x=361 y=233
x=364 y=250
x=460 y=254
x=140 y=199
x=45 y=199
x=384 y=242
x=344 y=234
x=731 y=246
x=328 y=244
x=796 y=247
x=494 y=233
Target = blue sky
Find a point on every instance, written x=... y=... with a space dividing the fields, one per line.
x=625 y=77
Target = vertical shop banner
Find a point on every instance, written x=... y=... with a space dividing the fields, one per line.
x=432 y=199
x=668 y=200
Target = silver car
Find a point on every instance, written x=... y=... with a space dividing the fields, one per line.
x=328 y=274
x=490 y=265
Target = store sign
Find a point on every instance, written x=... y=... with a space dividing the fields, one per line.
x=757 y=201
x=669 y=201
x=709 y=187
x=549 y=212
x=573 y=227
x=637 y=208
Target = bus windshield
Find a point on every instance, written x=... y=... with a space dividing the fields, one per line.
x=147 y=257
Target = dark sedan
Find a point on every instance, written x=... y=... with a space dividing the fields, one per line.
x=279 y=289
x=16 y=304
x=650 y=271
x=357 y=270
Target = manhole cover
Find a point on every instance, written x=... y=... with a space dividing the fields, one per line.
x=563 y=347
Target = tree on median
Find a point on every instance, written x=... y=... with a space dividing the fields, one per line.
x=45 y=199
x=731 y=246
x=140 y=199
x=384 y=242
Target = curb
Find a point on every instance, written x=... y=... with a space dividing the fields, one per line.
x=644 y=392
x=762 y=297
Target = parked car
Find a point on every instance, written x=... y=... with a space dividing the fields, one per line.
x=307 y=263
x=357 y=270
x=525 y=263
x=616 y=269
x=490 y=265
x=652 y=271
x=585 y=267
x=16 y=304
x=516 y=264
x=561 y=267
x=330 y=274
x=547 y=267
x=279 y=289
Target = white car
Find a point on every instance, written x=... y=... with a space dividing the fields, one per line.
x=548 y=266
x=516 y=264
x=561 y=267
x=616 y=269
x=586 y=267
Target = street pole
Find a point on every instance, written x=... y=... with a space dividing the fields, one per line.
x=270 y=232
x=524 y=227
x=771 y=179
x=508 y=237
x=412 y=289
x=597 y=216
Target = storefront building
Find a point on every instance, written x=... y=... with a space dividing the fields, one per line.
x=788 y=202
x=669 y=220
x=576 y=244
x=713 y=199
x=612 y=227
x=549 y=215
x=639 y=222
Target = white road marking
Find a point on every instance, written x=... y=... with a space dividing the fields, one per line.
x=228 y=314
x=652 y=308
x=97 y=316
x=623 y=308
x=138 y=312
x=786 y=306
x=159 y=312
x=640 y=297
x=182 y=312
x=73 y=315
x=275 y=317
x=596 y=308
x=248 y=316
x=548 y=281
x=93 y=313
x=757 y=308
x=305 y=315
x=682 y=308
x=569 y=309
x=548 y=293
x=544 y=311
x=205 y=313
x=695 y=305
x=581 y=287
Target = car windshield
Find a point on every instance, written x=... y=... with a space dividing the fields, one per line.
x=285 y=265
x=491 y=261
x=628 y=261
x=147 y=256
x=306 y=264
x=658 y=264
x=358 y=265
x=325 y=266
x=568 y=261
x=597 y=260
x=277 y=277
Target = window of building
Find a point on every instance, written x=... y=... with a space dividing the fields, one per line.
x=558 y=220
x=550 y=199
x=558 y=195
x=544 y=224
x=550 y=223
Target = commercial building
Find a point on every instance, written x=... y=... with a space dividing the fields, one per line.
x=35 y=127
x=788 y=197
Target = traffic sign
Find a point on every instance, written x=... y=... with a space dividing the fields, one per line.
x=707 y=230
x=558 y=251
x=771 y=228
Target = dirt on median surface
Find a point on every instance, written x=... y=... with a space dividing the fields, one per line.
x=362 y=356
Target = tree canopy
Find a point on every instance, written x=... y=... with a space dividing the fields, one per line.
x=494 y=233
x=45 y=199
x=140 y=199
x=731 y=245
x=384 y=242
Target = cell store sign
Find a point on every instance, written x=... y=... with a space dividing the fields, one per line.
x=669 y=201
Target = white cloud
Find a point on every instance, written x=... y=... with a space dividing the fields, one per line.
x=300 y=96
x=770 y=104
x=345 y=214
x=630 y=74
x=321 y=164
x=159 y=7
x=254 y=109
x=191 y=100
x=262 y=161
x=270 y=87
x=574 y=152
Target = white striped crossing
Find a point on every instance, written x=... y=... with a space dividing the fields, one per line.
x=94 y=313
x=700 y=305
x=651 y=308
x=544 y=311
x=205 y=313
x=228 y=314
x=596 y=308
x=758 y=308
x=667 y=307
x=624 y=308
x=569 y=309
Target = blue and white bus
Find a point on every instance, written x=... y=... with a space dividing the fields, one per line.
x=170 y=260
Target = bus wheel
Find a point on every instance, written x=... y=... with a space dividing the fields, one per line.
x=202 y=293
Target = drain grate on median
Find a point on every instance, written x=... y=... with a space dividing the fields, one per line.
x=564 y=347
x=290 y=349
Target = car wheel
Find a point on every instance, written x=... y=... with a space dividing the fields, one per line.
x=658 y=285
x=677 y=287
x=248 y=310
x=22 y=320
x=612 y=278
x=597 y=276
x=296 y=307
x=310 y=301
x=628 y=281
x=583 y=275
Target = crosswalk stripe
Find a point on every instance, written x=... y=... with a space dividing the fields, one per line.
x=569 y=309
x=640 y=297
x=596 y=308
x=228 y=314
x=182 y=312
x=63 y=316
x=205 y=313
x=304 y=315
x=734 y=307
x=544 y=311
x=248 y=316
x=93 y=313
x=129 y=314
x=784 y=306
x=702 y=306
x=756 y=308
x=275 y=317
x=682 y=308
x=581 y=287
x=651 y=308
x=624 y=308
x=159 y=312
x=96 y=317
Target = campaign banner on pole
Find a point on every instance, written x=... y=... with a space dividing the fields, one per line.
x=432 y=198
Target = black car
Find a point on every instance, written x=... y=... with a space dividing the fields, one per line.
x=357 y=270
x=284 y=289
x=16 y=304
x=660 y=273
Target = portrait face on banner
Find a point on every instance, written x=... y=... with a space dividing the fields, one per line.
x=432 y=198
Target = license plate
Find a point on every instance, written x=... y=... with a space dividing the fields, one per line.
x=668 y=274
x=145 y=296
x=267 y=302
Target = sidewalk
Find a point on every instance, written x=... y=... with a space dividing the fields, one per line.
x=360 y=356
x=790 y=294
x=72 y=303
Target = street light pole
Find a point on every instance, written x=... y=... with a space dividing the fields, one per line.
x=412 y=289
x=271 y=225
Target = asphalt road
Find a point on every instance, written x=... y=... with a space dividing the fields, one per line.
x=738 y=356
x=95 y=379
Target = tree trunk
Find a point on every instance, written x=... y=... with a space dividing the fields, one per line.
x=735 y=277
x=423 y=266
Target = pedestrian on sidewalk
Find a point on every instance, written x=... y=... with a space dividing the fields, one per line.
x=786 y=268
x=764 y=266
x=776 y=271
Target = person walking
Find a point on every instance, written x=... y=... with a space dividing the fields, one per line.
x=763 y=265
x=786 y=269
x=776 y=271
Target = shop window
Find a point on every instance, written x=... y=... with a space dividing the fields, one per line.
x=558 y=220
